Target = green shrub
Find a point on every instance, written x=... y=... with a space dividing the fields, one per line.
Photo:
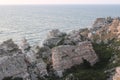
x=11 y=78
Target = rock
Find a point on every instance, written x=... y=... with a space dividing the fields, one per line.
x=73 y=38
x=117 y=74
x=54 y=38
x=35 y=49
x=52 y=42
x=90 y=36
x=9 y=48
x=24 y=46
x=13 y=66
x=30 y=56
x=66 y=56
x=99 y=22
x=55 y=33
x=106 y=29
x=84 y=32
x=44 y=52
x=109 y=19
x=42 y=68
x=8 y=45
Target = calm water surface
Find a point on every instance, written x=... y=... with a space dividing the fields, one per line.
x=34 y=21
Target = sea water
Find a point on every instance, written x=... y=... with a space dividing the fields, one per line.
x=34 y=21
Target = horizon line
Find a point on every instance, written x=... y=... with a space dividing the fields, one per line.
x=67 y=4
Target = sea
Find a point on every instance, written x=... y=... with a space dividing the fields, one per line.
x=33 y=22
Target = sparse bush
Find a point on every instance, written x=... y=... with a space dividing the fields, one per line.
x=11 y=78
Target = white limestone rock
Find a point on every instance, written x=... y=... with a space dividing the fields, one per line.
x=117 y=74
x=12 y=66
x=66 y=56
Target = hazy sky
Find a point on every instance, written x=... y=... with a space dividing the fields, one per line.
x=59 y=1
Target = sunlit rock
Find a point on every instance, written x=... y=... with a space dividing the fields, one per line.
x=13 y=66
x=117 y=74
x=66 y=56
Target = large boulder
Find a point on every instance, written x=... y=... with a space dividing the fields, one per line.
x=13 y=66
x=54 y=38
x=9 y=48
x=24 y=45
x=66 y=56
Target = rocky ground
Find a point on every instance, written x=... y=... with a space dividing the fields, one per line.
x=85 y=54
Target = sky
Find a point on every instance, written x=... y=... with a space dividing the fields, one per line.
x=4 y=2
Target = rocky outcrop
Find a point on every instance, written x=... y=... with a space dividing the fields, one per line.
x=105 y=29
x=66 y=56
x=12 y=61
x=35 y=65
x=15 y=62
x=54 y=38
x=9 y=48
x=13 y=66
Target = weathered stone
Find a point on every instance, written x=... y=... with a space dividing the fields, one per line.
x=45 y=52
x=35 y=49
x=99 y=22
x=30 y=56
x=73 y=38
x=106 y=29
x=117 y=74
x=109 y=19
x=55 y=33
x=84 y=32
x=42 y=68
x=12 y=66
x=52 y=42
x=24 y=46
x=8 y=48
x=8 y=45
x=66 y=56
